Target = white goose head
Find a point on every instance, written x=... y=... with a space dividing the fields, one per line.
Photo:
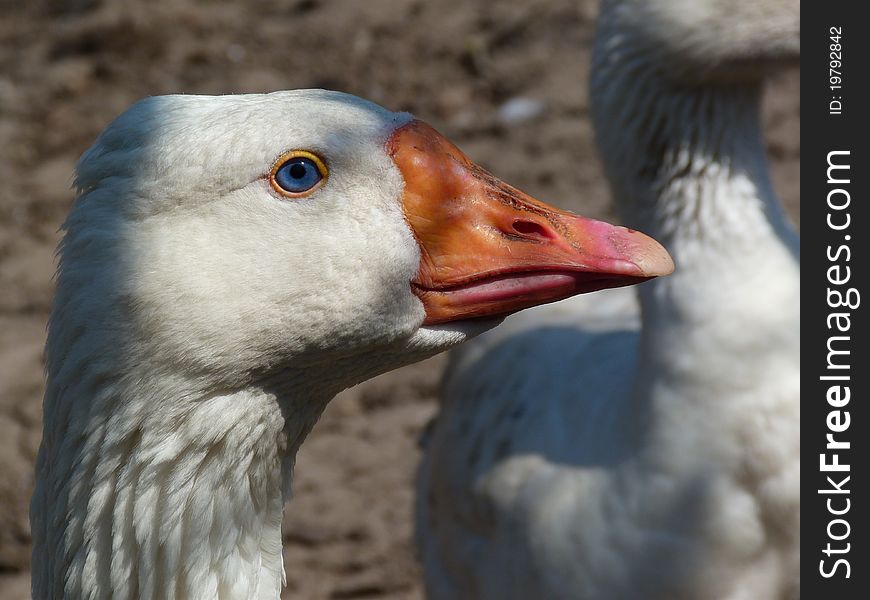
x=707 y=42
x=229 y=265
x=184 y=240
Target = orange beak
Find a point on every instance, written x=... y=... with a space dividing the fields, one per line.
x=488 y=250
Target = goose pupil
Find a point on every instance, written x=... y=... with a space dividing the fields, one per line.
x=298 y=171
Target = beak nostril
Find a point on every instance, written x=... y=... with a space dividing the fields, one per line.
x=531 y=229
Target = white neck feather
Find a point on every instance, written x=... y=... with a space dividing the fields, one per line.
x=687 y=166
x=177 y=493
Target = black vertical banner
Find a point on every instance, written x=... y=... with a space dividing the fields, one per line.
x=835 y=183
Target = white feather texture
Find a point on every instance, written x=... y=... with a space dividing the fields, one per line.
x=201 y=322
x=608 y=449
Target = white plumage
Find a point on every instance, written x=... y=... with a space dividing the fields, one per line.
x=598 y=450
x=207 y=309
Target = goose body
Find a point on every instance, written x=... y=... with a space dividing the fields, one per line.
x=620 y=446
x=230 y=264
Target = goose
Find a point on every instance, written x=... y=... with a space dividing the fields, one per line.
x=629 y=445
x=230 y=264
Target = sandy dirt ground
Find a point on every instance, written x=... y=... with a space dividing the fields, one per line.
x=67 y=67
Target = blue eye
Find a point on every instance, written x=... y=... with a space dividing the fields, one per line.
x=299 y=174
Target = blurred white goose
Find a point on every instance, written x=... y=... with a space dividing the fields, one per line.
x=589 y=450
x=229 y=265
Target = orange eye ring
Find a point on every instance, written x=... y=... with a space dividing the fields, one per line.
x=298 y=173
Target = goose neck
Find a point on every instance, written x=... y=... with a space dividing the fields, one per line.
x=179 y=494
x=687 y=165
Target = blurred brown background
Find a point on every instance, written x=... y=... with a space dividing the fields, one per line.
x=505 y=80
